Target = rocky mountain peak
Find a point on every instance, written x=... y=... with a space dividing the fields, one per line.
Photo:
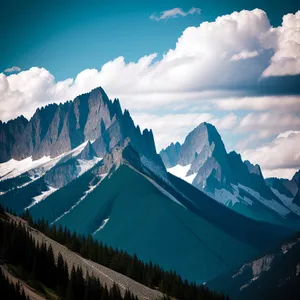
x=204 y=138
x=253 y=169
x=88 y=152
x=56 y=129
x=10 y=133
x=170 y=154
x=200 y=144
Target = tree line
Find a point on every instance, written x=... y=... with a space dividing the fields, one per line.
x=148 y=274
x=10 y=290
x=36 y=264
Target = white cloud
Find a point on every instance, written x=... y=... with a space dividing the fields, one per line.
x=286 y=60
x=255 y=129
x=226 y=122
x=266 y=103
x=280 y=173
x=174 y=12
x=12 y=69
x=170 y=127
x=268 y=123
x=286 y=134
x=280 y=155
x=244 y=54
x=174 y=127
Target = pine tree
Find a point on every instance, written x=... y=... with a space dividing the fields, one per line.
x=72 y=285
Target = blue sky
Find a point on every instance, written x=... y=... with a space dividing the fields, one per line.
x=66 y=37
x=224 y=62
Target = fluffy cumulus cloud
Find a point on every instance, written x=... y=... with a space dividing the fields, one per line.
x=227 y=55
x=280 y=157
x=213 y=67
x=258 y=128
x=286 y=60
x=175 y=12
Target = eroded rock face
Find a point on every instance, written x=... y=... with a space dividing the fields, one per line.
x=120 y=154
x=62 y=174
x=204 y=150
x=29 y=142
x=289 y=188
x=170 y=155
x=194 y=144
x=253 y=169
x=10 y=133
x=88 y=152
x=214 y=168
x=56 y=129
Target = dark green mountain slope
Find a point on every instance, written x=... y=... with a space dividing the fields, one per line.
x=142 y=214
x=275 y=275
x=144 y=221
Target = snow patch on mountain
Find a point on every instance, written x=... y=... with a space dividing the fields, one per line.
x=85 y=165
x=42 y=196
x=230 y=198
x=14 y=168
x=225 y=197
x=101 y=226
x=181 y=171
x=288 y=202
x=273 y=204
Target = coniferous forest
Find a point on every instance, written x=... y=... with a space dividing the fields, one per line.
x=37 y=262
x=9 y=290
x=37 y=265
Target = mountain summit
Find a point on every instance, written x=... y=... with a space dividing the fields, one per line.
x=203 y=154
x=56 y=129
x=203 y=161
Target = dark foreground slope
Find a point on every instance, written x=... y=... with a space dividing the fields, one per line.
x=36 y=265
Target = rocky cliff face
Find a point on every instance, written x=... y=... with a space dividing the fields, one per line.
x=248 y=175
x=205 y=152
x=170 y=155
x=286 y=187
x=253 y=169
x=56 y=129
x=10 y=133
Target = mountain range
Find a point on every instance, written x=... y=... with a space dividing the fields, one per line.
x=194 y=208
x=203 y=161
